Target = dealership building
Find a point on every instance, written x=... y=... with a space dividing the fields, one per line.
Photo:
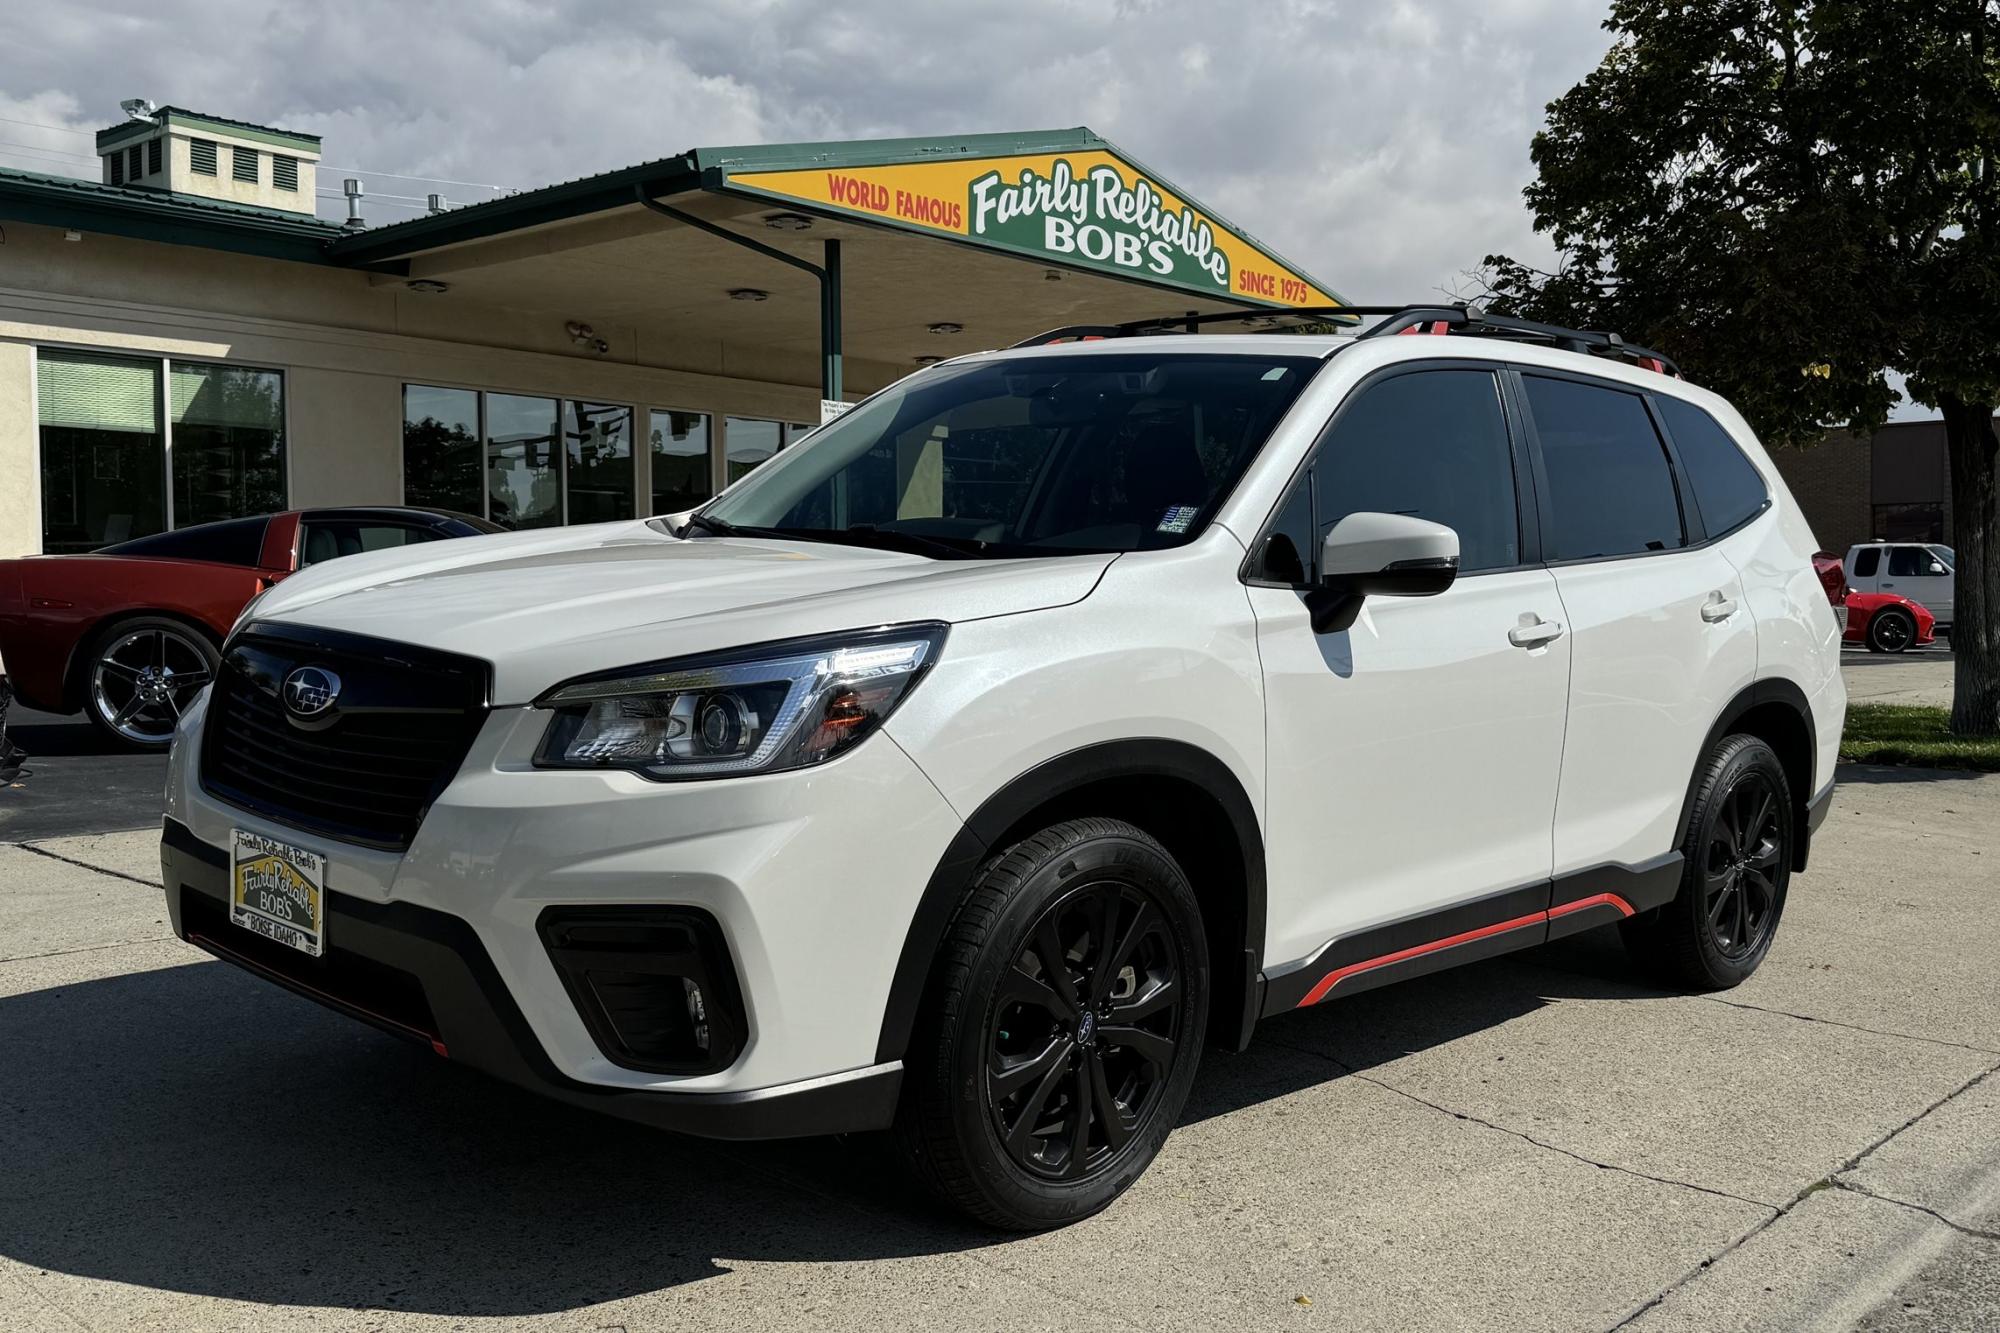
x=183 y=339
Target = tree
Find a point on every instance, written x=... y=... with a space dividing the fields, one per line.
x=1793 y=198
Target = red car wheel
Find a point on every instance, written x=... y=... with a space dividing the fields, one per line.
x=143 y=674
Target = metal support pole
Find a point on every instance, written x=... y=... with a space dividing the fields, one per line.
x=829 y=283
x=829 y=324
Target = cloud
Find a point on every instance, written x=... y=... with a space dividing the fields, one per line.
x=1380 y=144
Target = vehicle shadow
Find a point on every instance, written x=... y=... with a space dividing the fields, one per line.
x=194 y=1130
x=45 y=734
x=1876 y=774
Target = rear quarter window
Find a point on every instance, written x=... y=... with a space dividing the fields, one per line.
x=238 y=541
x=1727 y=487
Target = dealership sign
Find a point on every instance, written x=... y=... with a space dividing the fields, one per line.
x=1089 y=208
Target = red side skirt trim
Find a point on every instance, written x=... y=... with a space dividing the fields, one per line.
x=1335 y=977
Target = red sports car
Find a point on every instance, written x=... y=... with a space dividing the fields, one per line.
x=128 y=635
x=1884 y=621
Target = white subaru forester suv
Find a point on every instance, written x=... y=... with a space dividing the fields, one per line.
x=966 y=768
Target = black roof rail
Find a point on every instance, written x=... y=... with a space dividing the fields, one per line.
x=1464 y=320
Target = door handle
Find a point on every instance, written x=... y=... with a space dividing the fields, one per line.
x=1717 y=608
x=1535 y=635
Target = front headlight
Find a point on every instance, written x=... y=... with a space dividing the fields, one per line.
x=779 y=706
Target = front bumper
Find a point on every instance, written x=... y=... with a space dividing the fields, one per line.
x=812 y=879
x=424 y=975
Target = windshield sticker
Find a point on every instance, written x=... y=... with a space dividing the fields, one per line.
x=1176 y=519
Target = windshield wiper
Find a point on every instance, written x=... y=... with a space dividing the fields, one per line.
x=914 y=543
x=707 y=524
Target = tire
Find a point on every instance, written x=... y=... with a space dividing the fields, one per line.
x=1891 y=631
x=1738 y=865
x=139 y=674
x=999 y=1052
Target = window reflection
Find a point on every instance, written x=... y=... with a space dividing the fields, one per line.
x=750 y=441
x=681 y=474
x=599 y=440
x=229 y=442
x=441 y=448
x=523 y=472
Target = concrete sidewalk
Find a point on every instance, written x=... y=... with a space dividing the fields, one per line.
x=1532 y=1143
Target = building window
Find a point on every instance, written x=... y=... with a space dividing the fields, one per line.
x=1922 y=522
x=152 y=157
x=523 y=461
x=681 y=476
x=103 y=455
x=228 y=425
x=285 y=173
x=133 y=167
x=201 y=156
x=114 y=165
x=598 y=464
x=243 y=164
x=441 y=449
x=748 y=442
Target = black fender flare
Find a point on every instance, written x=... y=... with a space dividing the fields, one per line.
x=1048 y=781
x=1771 y=690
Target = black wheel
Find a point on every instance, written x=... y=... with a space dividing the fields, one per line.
x=1061 y=1029
x=141 y=675
x=1891 y=631
x=1738 y=854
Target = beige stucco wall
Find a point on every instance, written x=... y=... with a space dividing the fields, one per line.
x=20 y=474
x=347 y=346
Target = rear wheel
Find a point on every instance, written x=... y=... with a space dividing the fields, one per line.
x=141 y=675
x=1891 y=630
x=1738 y=864
x=1061 y=1030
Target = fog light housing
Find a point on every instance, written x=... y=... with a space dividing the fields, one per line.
x=654 y=985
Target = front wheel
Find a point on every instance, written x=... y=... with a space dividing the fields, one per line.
x=143 y=673
x=1891 y=631
x=1738 y=866
x=1061 y=1029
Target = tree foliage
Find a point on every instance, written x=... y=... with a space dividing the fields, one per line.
x=1792 y=197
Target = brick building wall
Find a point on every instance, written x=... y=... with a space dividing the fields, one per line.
x=1855 y=488
x=1832 y=482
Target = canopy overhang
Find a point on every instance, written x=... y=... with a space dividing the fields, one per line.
x=863 y=257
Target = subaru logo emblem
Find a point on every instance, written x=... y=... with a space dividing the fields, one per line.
x=1086 y=1028
x=311 y=692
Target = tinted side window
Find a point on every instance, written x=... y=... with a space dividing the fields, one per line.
x=1866 y=561
x=331 y=539
x=1432 y=444
x=1912 y=562
x=1611 y=491
x=235 y=542
x=1725 y=484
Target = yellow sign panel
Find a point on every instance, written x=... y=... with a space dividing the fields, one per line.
x=1088 y=208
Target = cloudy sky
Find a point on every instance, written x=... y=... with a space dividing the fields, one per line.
x=1380 y=144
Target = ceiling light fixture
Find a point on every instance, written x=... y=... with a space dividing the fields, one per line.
x=428 y=286
x=926 y=360
x=788 y=222
x=748 y=294
x=946 y=326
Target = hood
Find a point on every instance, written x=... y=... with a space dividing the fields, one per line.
x=545 y=606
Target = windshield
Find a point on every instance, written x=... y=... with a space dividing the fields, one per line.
x=1946 y=554
x=1053 y=455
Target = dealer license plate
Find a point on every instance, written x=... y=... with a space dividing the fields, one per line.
x=278 y=891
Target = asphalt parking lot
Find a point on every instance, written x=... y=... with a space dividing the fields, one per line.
x=1537 y=1142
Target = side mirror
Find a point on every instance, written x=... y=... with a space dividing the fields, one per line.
x=1379 y=555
